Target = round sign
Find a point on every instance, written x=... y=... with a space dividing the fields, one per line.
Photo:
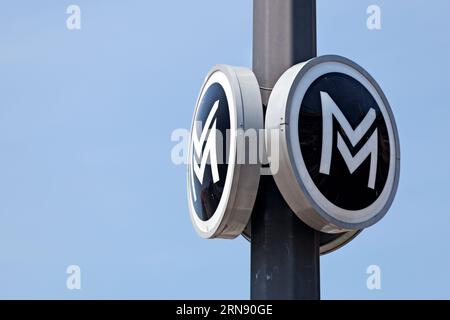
x=339 y=160
x=222 y=181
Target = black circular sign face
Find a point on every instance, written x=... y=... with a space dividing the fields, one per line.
x=209 y=152
x=344 y=141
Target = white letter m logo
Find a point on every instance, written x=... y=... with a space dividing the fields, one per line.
x=209 y=135
x=330 y=110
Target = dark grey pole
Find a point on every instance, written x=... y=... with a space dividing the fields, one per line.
x=284 y=251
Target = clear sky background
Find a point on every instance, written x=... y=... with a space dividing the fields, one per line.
x=86 y=176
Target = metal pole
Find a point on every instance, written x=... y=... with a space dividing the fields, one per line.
x=284 y=251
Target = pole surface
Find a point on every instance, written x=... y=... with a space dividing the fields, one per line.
x=284 y=251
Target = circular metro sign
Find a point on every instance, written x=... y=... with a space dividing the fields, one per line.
x=221 y=189
x=339 y=158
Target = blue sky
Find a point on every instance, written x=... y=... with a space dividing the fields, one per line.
x=86 y=176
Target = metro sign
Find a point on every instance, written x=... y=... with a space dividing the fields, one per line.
x=222 y=190
x=341 y=164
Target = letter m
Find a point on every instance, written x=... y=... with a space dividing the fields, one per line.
x=330 y=110
x=208 y=135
